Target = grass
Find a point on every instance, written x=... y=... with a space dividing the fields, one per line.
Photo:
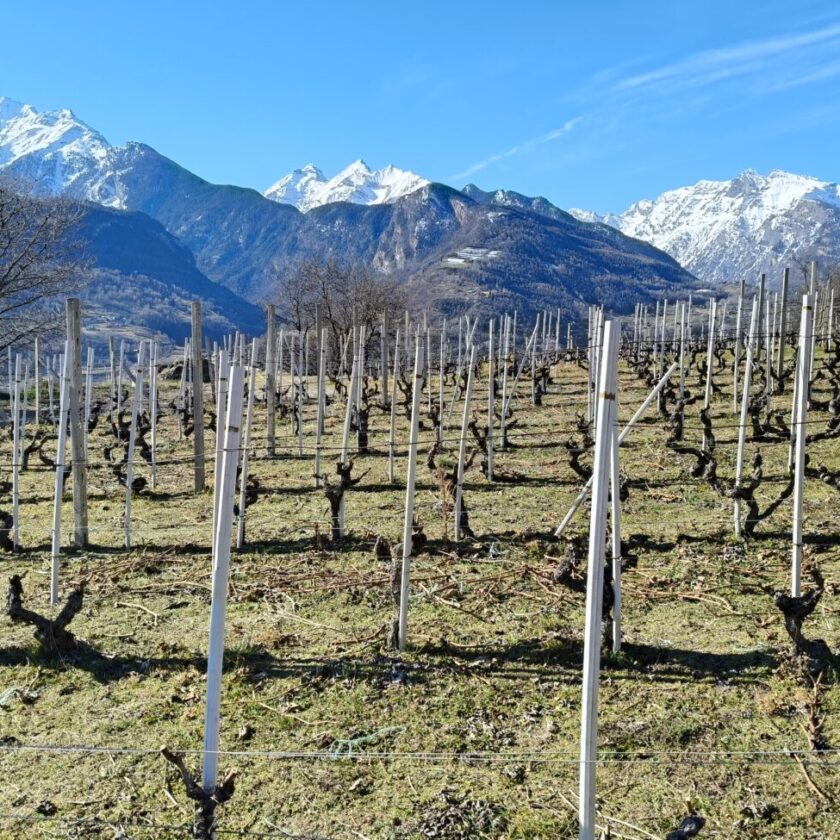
x=474 y=731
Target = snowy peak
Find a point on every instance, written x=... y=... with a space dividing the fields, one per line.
x=56 y=153
x=296 y=186
x=724 y=230
x=359 y=184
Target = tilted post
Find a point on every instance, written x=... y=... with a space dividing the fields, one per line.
x=605 y=415
x=745 y=407
x=61 y=447
x=411 y=476
x=221 y=562
x=462 y=446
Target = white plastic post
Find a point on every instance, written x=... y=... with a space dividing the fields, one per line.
x=595 y=582
x=88 y=395
x=615 y=521
x=745 y=406
x=301 y=385
x=249 y=418
x=411 y=475
x=61 y=447
x=132 y=437
x=221 y=409
x=462 y=446
x=225 y=491
x=322 y=404
x=392 y=428
x=803 y=375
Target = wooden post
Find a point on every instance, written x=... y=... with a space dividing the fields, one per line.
x=411 y=475
x=393 y=424
x=77 y=443
x=198 y=397
x=226 y=490
x=491 y=399
x=132 y=437
x=745 y=405
x=270 y=392
x=16 y=440
x=800 y=418
x=595 y=582
x=462 y=445
x=61 y=447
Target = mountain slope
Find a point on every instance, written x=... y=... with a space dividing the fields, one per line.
x=143 y=276
x=358 y=183
x=724 y=230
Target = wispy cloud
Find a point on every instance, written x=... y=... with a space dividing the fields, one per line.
x=520 y=148
x=726 y=62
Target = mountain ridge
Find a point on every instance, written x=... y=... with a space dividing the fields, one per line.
x=451 y=248
x=741 y=227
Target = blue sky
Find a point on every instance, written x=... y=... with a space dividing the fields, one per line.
x=592 y=105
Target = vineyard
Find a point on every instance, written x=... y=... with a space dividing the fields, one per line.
x=378 y=687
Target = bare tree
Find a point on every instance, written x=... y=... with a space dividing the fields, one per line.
x=39 y=259
x=344 y=295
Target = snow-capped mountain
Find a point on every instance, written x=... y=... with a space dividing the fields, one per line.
x=58 y=154
x=55 y=153
x=358 y=183
x=724 y=230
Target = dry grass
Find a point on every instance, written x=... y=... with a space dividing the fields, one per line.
x=494 y=663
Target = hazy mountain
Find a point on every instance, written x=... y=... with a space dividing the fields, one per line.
x=724 y=230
